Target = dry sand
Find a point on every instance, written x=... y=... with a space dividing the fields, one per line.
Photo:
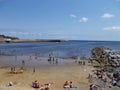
x=55 y=74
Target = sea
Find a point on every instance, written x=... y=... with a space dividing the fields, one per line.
x=60 y=49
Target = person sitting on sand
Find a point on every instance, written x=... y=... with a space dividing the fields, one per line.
x=36 y=84
x=42 y=87
x=10 y=84
x=47 y=86
x=66 y=84
x=71 y=86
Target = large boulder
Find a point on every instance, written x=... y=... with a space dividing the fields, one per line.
x=118 y=83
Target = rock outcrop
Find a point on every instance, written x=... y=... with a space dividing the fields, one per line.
x=106 y=56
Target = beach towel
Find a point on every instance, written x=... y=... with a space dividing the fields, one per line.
x=74 y=88
x=66 y=86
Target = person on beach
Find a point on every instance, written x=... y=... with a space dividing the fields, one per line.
x=10 y=84
x=50 y=56
x=53 y=60
x=80 y=62
x=12 y=69
x=34 y=70
x=42 y=87
x=56 y=61
x=35 y=84
x=30 y=57
x=90 y=77
x=47 y=86
x=23 y=62
x=36 y=57
x=66 y=84
x=83 y=62
x=71 y=86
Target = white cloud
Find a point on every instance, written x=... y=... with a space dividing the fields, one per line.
x=84 y=19
x=73 y=16
x=107 y=15
x=18 y=33
x=112 y=28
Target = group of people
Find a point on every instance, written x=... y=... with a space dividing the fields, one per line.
x=36 y=84
x=81 y=62
x=52 y=59
x=68 y=84
x=13 y=70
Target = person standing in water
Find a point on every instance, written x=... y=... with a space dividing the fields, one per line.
x=23 y=62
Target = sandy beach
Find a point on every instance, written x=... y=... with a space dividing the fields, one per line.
x=56 y=75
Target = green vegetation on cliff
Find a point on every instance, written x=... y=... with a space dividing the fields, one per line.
x=8 y=37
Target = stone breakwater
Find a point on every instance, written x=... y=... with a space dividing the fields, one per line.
x=108 y=63
x=106 y=56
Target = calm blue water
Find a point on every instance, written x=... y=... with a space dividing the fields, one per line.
x=64 y=49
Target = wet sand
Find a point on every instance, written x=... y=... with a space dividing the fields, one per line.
x=45 y=72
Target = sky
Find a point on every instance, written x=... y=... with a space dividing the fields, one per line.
x=61 y=19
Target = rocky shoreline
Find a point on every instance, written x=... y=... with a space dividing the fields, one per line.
x=106 y=56
x=107 y=63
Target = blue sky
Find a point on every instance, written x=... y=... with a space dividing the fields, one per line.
x=61 y=19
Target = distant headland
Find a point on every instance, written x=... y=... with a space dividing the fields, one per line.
x=11 y=39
